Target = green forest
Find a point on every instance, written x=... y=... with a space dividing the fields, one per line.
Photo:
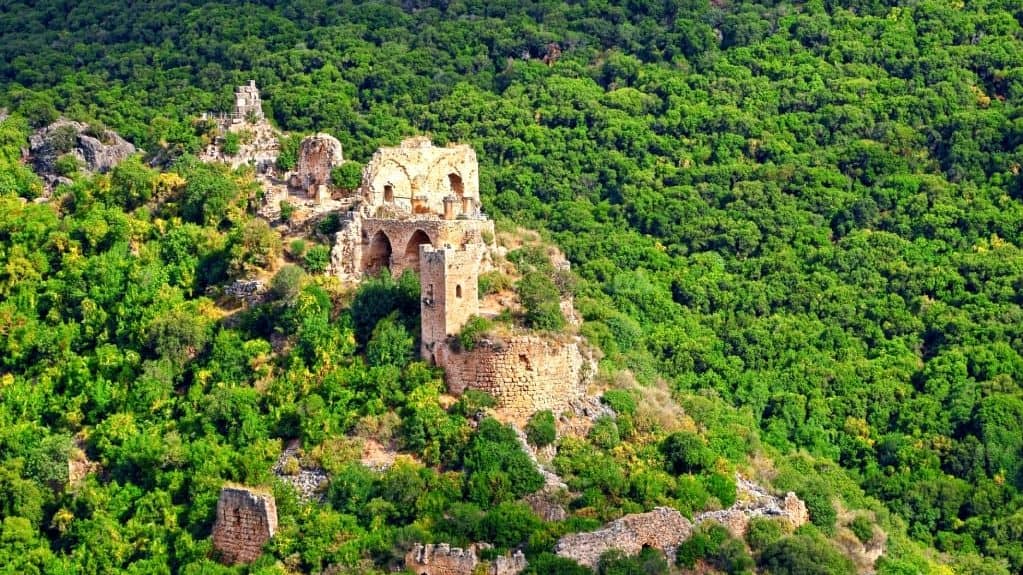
x=796 y=231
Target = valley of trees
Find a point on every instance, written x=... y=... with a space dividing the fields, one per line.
x=802 y=221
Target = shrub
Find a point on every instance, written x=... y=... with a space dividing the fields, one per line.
x=822 y=512
x=648 y=561
x=550 y=564
x=862 y=528
x=604 y=433
x=329 y=225
x=541 y=430
x=232 y=143
x=472 y=332
x=317 y=258
x=347 y=176
x=287 y=283
x=540 y=298
x=685 y=452
x=762 y=533
x=287 y=210
x=804 y=555
x=67 y=165
x=297 y=248
x=473 y=402
x=722 y=487
x=493 y=282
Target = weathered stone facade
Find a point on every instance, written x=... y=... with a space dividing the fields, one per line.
x=411 y=195
x=442 y=559
x=246 y=520
x=418 y=177
x=663 y=528
x=524 y=373
x=247 y=103
x=317 y=156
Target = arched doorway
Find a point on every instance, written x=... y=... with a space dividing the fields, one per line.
x=379 y=256
x=457 y=187
x=412 y=249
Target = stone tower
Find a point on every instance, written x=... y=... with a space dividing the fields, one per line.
x=247 y=101
x=450 y=292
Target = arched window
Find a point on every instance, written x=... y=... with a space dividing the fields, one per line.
x=388 y=193
x=458 y=291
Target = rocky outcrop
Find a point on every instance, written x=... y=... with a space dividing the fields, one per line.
x=246 y=520
x=443 y=559
x=663 y=528
x=96 y=150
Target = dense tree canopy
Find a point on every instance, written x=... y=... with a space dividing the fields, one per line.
x=810 y=212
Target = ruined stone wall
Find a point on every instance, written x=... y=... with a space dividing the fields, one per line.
x=663 y=528
x=449 y=288
x=418 y=169
x=365 y=245
x=442 y=559
x=317 y=156
x=246 y=520
x=524 y=373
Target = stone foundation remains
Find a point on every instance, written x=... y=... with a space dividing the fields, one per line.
x=246 y=520
x=442 y=559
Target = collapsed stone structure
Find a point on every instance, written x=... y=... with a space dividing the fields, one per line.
x=665 y=528
x=317 y=156
x=442 y=559
x=246 y=520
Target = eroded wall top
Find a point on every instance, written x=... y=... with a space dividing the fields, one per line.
x=417 y=176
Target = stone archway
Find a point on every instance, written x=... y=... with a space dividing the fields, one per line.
x=419 y=237
x=379 y=255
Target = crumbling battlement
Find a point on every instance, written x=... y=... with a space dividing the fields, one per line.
x=442 y=559
x=246 y=520
x=417 y=177
x=525 y=373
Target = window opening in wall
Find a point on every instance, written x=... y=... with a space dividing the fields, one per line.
x=388 y=193
x=458 y=291
x=457 y=188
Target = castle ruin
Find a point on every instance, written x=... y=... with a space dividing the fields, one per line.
x=419 y=209
x=246 y=520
